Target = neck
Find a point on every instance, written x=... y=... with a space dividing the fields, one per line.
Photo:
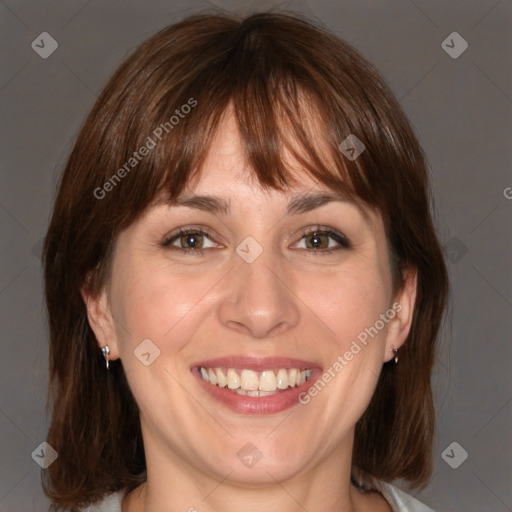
x=174 y=485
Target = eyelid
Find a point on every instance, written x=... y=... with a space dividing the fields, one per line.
x=202 y=230
x=343 y=241
x=340 y=238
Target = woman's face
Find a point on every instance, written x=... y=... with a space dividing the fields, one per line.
x=261 y=303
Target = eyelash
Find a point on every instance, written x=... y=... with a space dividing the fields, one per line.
x=186 y=231
x=339 y=238
x=342 y=241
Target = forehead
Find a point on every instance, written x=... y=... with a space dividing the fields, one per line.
x=226 y=167
x=225 y=182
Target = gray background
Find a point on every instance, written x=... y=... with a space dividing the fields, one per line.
x=460 y=109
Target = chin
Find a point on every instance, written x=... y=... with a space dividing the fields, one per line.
x=261 y=460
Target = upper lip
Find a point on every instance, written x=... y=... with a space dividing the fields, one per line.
x=256 y=363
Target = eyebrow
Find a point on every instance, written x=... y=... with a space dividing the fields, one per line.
x=299 y=204
x=212 y=204
x=308 y=202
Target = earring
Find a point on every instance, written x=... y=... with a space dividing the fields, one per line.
x=106 y=352
x=395 y=351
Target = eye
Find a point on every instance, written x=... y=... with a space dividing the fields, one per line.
x=323 y=240
x=189 y=240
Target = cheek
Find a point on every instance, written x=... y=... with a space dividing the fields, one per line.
x=349 y=301
x=152 y=302
x=351 y=307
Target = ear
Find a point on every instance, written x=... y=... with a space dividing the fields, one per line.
x=100 y=319
x=403 y=305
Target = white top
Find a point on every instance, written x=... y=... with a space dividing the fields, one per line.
x=397 y=499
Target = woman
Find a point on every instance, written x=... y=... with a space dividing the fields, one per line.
x=243 y=281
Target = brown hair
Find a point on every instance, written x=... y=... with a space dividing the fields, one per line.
x=264 y=65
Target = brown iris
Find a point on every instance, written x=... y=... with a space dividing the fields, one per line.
x=317 y=241
x=191 y=240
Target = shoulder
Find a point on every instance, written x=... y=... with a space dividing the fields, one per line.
x=111 y=503
x=399 y=500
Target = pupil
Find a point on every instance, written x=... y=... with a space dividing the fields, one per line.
x=316 y=240
x=191 y=240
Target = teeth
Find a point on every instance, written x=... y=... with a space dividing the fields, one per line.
x=282 y=379
x=212 y=376
x=221 y=378
x=268 y=381
x=251 y=383
x=292 y=377
x=255 y=393
x=233 y=379
x=249 y=380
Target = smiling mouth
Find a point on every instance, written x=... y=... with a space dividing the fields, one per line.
x=253 y=383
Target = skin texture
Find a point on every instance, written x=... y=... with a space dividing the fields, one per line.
x=291 y=301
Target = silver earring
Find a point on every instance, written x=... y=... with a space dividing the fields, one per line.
x=395 y=351
x=106 y=352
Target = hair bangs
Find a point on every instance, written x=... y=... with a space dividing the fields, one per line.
x=285 y=123
x=282 y=131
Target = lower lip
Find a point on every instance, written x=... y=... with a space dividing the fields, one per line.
x=259 y=404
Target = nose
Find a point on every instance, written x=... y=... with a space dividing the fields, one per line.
x=260 y=299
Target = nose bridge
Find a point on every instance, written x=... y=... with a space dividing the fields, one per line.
x=259 y=301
